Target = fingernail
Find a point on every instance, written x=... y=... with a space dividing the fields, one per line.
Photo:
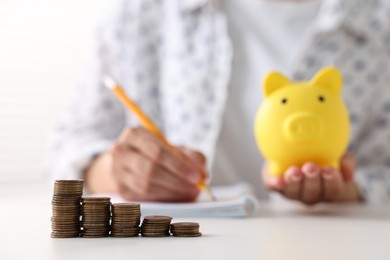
x=311 y=170
x=328 y=173
x=297 y=177
x=312 y=174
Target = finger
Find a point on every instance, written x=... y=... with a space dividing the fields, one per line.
x=194 y=155
x=271 y=182
x=149 y=180
x=198 y=159
x=134 y=188
x=152 y=176
x=161 y=192
x=332 y=184
x=126 y=193
x=131 y=188
x=157 y=151
x=156 y=194
x=348 y=167
x=135 y=174
x=311 y=189
x=293 y=180
x=123 y=175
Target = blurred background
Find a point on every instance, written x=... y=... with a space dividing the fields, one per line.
x=43 y=47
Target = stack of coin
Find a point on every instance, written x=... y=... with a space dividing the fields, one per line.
x=65 y=221
x=125 y=219
x=185 y=229
x=156 y=226
x=95 y=215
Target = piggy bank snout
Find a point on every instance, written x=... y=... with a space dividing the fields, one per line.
x=302 y=127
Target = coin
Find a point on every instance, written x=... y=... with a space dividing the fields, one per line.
x=124 y=231
x=156 y=226
x=185 y=229
x=95 y=217
x=55 y=234
x=87 y=200
x=155 y=234
x=95 y=234
x=188 y=235
x=66 y=208
x=66 y=200
x=68 y=187
x=158 y=219
x=126 y=218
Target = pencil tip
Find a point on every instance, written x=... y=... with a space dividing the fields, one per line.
x=108 y=82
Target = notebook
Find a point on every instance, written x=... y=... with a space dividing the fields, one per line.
x=232 y=201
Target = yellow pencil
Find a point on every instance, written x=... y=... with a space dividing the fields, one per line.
x=147 y=122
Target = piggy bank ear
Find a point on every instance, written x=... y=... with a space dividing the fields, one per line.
x=328 y=78
x=274 y=81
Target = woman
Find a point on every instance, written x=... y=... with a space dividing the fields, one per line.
x=195 y=67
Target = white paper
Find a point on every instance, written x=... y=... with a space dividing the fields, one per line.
x=232 y=201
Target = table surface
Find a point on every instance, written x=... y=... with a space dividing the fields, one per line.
x=281 y=231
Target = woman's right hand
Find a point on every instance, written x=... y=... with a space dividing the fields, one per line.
x=144 y=168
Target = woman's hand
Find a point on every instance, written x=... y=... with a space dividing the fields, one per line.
x=311 y=184
x=144 y=168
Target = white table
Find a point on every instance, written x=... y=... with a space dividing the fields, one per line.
x=280 y=232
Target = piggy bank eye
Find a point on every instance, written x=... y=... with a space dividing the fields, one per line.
x=321 y=98
x=284 y=101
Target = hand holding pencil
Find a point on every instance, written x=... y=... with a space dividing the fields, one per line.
x=148 y=167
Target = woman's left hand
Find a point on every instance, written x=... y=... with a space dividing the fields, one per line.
x=311 y=184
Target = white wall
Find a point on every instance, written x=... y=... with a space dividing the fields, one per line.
x=42 y=46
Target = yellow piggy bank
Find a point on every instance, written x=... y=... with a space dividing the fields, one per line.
x=302 y=121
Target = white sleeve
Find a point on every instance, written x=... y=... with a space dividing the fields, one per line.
x=373 y=176
x=374 y=184
x=93 y=120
